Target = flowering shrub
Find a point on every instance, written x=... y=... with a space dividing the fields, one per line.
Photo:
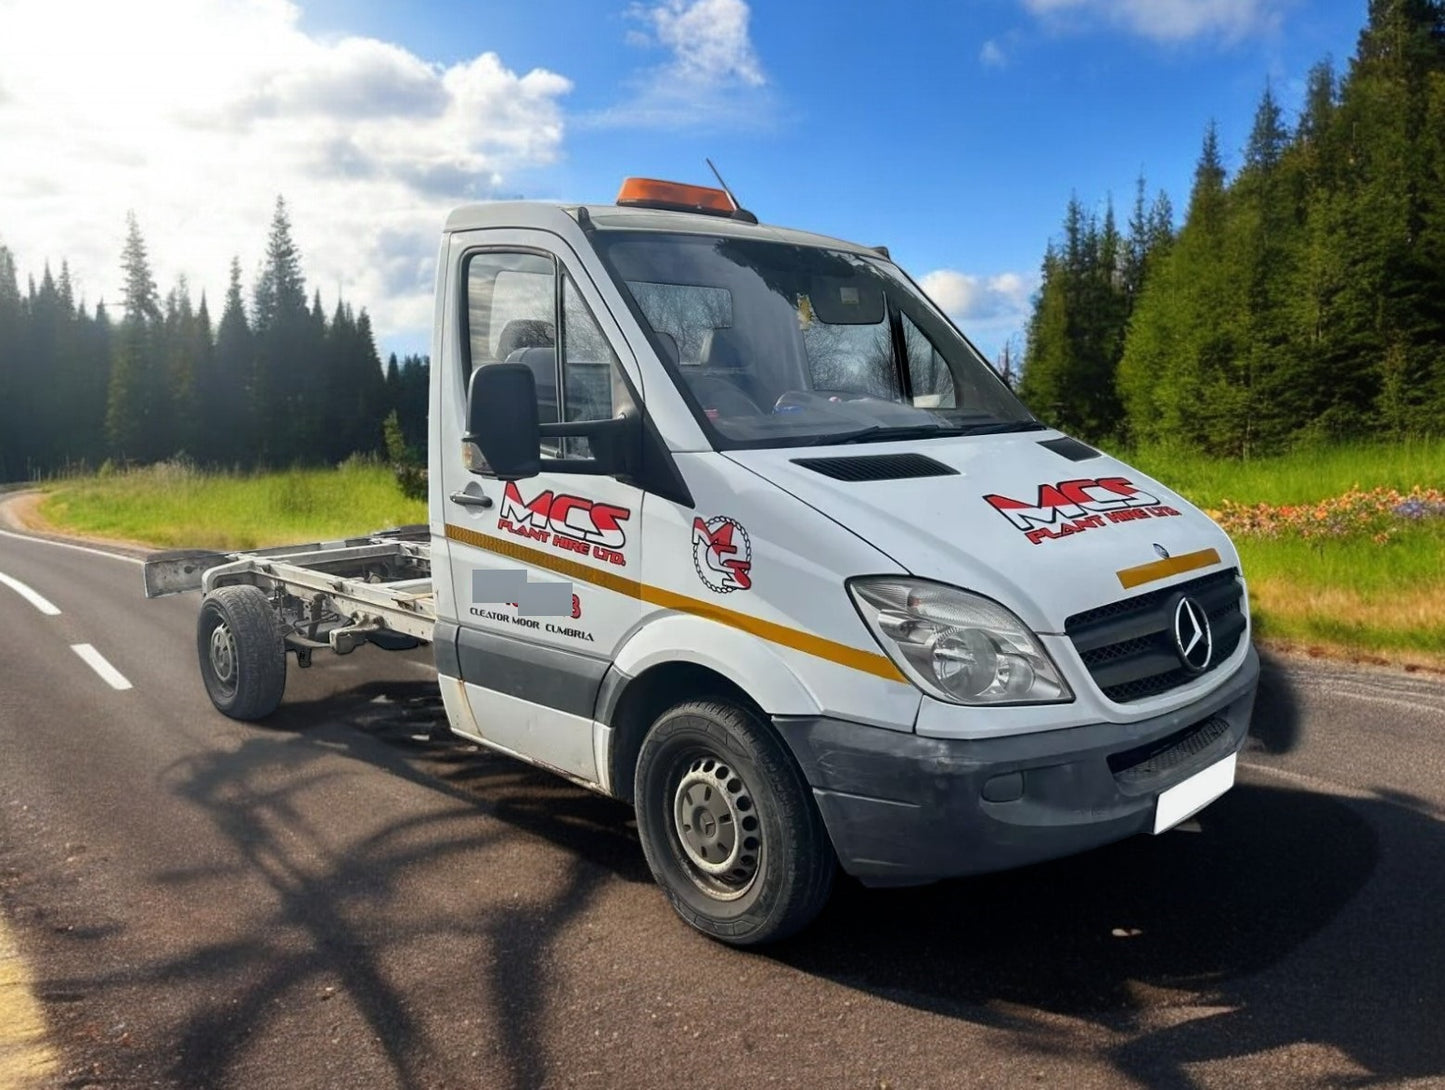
x=1378 y=513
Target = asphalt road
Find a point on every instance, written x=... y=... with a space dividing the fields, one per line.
x=340 y=898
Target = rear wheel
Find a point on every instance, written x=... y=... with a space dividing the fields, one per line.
x=242 y=652
x=729 y=826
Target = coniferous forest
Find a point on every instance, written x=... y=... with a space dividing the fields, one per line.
x=1301 y=300
x=274 y=381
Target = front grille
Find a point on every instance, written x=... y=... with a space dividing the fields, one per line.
x=1148 y=762
x=1128 y=645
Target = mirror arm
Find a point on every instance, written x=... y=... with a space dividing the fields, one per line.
x=588 y=429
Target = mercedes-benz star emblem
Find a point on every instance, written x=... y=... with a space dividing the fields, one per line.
x=1192 y=638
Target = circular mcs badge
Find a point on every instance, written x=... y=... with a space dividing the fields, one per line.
x=722 y=554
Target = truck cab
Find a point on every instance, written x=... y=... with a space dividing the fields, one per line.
x=729 y=521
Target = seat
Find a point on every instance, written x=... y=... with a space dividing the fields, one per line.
x=721 y=351
x=718 y=382
x=525 y=333
x=542 y=362
x=670 y=352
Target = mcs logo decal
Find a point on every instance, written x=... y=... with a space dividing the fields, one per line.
x=1071 y=507
x=571 y=524
x=722 y=554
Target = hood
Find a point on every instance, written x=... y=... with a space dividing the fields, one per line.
x=1034 y=520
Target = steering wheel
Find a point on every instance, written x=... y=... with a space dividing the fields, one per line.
x=794 y=400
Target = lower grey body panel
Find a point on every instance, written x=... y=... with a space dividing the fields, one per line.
x=903 y=809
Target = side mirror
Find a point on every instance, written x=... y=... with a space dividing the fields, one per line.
x=502 y=420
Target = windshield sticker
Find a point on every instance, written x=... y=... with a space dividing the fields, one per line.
x=1071 y=507
x=570 y=524
x=722 y=554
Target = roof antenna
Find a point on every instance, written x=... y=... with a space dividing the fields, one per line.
x=739 y=212
x=722 y=183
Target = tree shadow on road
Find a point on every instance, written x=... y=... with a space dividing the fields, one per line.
x=1289 y=917
x=319 y=913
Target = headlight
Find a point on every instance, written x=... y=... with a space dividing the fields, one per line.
x=958 y=646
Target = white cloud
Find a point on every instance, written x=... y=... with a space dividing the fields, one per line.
x=967 y=298
x=992 y=311
x=197 y=113
x=992 y=55
x=1168 y=20
x=712 y=76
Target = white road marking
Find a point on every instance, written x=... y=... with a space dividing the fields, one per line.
x=96 y=661
x=77 y=548
x=36 y=599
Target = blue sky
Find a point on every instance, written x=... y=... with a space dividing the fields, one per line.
x=953 y=132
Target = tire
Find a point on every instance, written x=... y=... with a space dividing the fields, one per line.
x=242 y=652
x=728 y=825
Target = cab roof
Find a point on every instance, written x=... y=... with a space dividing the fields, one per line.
x=545 y=216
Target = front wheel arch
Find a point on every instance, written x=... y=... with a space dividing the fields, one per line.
x=644 y=698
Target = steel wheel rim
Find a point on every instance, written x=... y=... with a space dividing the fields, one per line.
x=223 y=656
x=716 y=828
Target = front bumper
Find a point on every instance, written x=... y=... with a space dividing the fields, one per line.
x=904 y=809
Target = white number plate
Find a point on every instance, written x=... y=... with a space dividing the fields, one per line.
x=1194 y=794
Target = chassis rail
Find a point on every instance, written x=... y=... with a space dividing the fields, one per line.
x=335 y=594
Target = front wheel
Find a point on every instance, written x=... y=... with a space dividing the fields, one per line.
x=242 y=652
x=728 y=825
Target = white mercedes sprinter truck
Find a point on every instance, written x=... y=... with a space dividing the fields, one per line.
x=729 y=521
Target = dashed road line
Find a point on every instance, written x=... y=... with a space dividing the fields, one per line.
x=96 y=661
x=34 y=597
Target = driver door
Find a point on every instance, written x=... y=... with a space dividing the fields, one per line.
x=545 y=569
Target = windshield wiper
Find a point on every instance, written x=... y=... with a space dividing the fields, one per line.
x=998 y=427
x=879 y=433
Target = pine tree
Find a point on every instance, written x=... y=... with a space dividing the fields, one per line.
x=229 y=406
x=11 y=457
x=137 y=394
x=1390 y=292
x=1267 y=239
x=410 y=398
x=90 y=404
x=281 y=323
x=1181 y=376
x=1077 y=329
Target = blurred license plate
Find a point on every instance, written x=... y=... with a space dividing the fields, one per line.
x=1194 y=794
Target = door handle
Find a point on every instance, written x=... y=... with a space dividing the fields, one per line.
x=471 y=499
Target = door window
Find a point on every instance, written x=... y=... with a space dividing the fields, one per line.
x=516 y=304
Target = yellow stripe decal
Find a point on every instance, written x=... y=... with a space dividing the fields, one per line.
x=1163 y=569
x=870 y=662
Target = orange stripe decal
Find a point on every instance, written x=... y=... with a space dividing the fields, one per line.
x=870 y=662
x=1163 y=569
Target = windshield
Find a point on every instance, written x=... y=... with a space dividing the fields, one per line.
x=778 y=345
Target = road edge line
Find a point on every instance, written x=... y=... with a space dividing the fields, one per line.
x=26 y=1056
x=71 y=545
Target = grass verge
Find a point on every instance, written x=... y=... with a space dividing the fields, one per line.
x=1349 y=595
x=173 y=505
